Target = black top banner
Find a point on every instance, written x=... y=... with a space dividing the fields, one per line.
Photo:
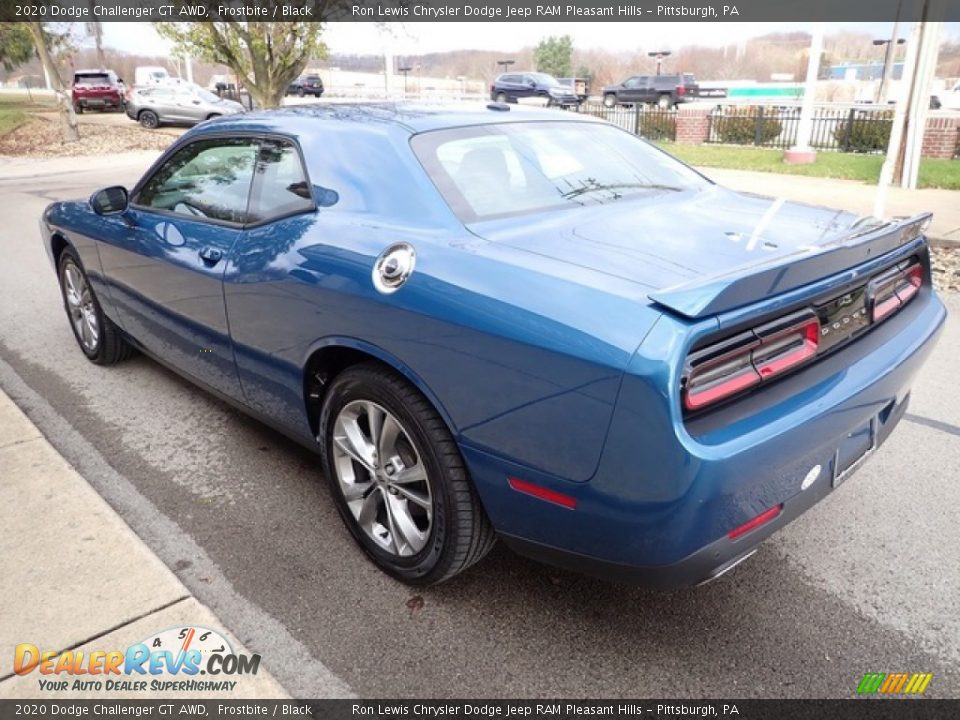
x=479 y=10
x=864 y=709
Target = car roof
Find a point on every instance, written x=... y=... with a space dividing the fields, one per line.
x=92 y=71
x=409 y=117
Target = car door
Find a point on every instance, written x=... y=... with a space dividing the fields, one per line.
x=166 y=272
x=631 y=90
x=189 y=107
x=162 y=101
x=281 y=211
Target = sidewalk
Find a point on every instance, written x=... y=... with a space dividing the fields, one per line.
x=850 y=195
x=76 y=577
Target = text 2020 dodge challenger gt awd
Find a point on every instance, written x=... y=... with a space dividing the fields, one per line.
x=514 y=323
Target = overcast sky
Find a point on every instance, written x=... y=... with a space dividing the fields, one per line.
x=415 y=38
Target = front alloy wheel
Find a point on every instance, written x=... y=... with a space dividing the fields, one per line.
x=398 y=478
x=80 y=308
x=101 y=340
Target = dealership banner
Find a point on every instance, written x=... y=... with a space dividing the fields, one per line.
x=486 y=709
x=477 y=11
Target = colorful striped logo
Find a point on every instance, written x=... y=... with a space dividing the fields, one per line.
x=894 y=683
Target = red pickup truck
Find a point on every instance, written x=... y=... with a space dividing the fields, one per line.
x=100 y=89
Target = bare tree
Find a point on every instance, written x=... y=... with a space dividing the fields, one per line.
x=95 y=29
x=68 y=120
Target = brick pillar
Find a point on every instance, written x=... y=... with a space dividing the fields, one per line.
x=941 y=136
x=693 y=124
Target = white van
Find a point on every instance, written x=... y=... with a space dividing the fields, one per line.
x=151 y=75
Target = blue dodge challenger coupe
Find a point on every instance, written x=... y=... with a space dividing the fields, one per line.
x=515 y=323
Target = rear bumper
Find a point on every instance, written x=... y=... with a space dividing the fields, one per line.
x=706 y=563
x=106 y=100
x=661 y=506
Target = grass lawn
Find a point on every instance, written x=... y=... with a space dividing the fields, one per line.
x=15 y=109
x=934 y=173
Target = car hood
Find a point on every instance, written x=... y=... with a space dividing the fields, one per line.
x=695 y=249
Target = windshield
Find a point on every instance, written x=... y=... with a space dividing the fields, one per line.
x=544 y=79
x=206 y=95
x=492 y=171
x=91 y=79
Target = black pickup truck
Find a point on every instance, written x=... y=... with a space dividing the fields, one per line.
x=665 y=91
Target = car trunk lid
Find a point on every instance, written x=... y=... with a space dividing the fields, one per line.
x=706 y=252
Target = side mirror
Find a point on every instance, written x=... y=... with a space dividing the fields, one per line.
x=109 y=201
x=531 y=83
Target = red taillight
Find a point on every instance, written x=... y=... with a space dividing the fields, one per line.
x=893 y=290
x=761 y=519
x=720 y=378
x=552 y=496
x=788 y=349
x=681 y=91
x=735 y=365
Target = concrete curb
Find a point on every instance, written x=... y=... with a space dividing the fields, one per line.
x=76 y=577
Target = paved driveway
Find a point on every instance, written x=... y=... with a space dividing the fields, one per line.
x=866 y=581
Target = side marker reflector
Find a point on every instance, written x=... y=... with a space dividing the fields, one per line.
x=542 y=493
x=761 y=519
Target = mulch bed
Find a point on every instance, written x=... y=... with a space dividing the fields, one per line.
x=946 y=268
x=41 y=138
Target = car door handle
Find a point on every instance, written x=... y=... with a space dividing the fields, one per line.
x=210 y=256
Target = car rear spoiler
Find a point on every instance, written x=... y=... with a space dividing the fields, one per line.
x=749 y=283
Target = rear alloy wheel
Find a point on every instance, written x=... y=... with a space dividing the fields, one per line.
x=100 y=340
x=664 y=102
x=149 y=119
x=501 y=97
x=609 y=100
x=398 y=478
x=300 y=92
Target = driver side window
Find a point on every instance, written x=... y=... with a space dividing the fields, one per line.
x=206 y=180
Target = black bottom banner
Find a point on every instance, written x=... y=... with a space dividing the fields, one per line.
x=894 y=709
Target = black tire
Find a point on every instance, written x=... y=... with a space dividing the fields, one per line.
x=213 y=116
x=300 y=92
x=501 y=97
x=78 y=108
x=148 y=119
x=460 y=532
x=111 y=346
x=609 y=100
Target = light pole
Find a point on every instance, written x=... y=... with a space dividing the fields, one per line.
x=404 y=70
x=888 y=62
x=659 y=55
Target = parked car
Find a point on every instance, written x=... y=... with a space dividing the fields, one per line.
x=154 y=105
x=490 y=323
x=306 y=85
x=664 y=91
x=949 y=99
x=511 y=87
x=99 y=89
x=580 y=87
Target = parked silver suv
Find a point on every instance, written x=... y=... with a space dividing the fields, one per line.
x=183 y=103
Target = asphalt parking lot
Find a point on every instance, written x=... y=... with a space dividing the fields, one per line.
x=867 y=581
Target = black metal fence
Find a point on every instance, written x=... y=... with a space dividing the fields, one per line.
x=651 y=122
x=846 y=129
x=856 y=129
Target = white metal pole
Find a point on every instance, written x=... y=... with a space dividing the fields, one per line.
x=896 y=130
x=188 y=63
x=802 y=152
x=920 y=102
